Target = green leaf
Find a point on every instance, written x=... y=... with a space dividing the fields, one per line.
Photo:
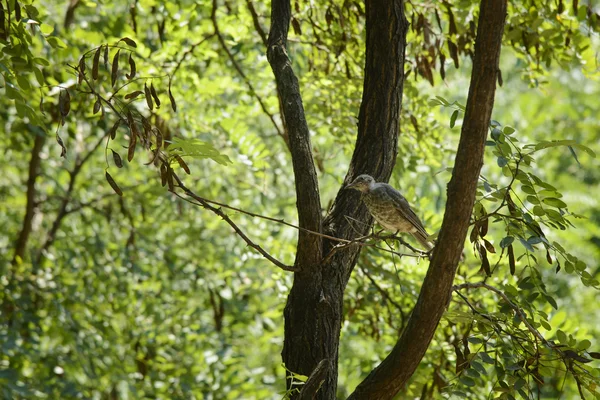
x=56 y=42
x=539 y=211
x=507 y=241
x=526 y=244
x=465 y=380
x=528 y=189
x=552 y=302
x=46 y=29
x=555 y=143
x=554 y=202
x=508 y=130
x=453 y=118
x=533 y=200
x=584 y=345
x=485 y=357
x=562 y=337
x=197 y=149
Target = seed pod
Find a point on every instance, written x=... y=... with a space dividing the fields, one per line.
x=131 y=74
x=117 y=159
x=113 y=184
x=96 y=63
x=129 y=41
x=172 y=99
x=154 y=95
x=133 y=95
x=115 y=68
x=113 y=131
x=182 y=164
x=148 y=97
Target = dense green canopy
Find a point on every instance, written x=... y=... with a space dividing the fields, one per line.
x=118 y=284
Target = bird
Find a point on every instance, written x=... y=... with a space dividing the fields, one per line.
x=390 y=208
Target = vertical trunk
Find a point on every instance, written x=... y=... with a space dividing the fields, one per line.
x=314 y=309
x=34 y=165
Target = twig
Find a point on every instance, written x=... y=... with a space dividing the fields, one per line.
x=188 y=52
x=256 y=22
x=62 y=211
x=516 y=308
x=382 y=291
x=238 y=68
x=237 y=230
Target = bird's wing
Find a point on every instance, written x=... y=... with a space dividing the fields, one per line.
x=402 y=205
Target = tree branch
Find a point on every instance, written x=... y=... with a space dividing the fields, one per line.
x=378 y=122
x=309 y=249
x=256 y=22
x=516 y=308
x=62 y=210
x=314 y=309
x=395 y=370
x=237 y=230
x=239 y=70
x=314 y=381
x=34 y=165
x=188 y=52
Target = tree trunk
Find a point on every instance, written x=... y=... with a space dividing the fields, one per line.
x=34 y=165
x=314 y=309
x=396 y=369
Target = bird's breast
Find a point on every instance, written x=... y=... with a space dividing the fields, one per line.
x=385 y=212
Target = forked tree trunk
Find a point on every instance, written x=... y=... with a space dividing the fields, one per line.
x=314 y=310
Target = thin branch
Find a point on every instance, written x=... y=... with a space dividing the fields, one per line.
x=237 y=230
x=257 y=24
x=239 y=70
x=62 y=210
x=188 y=52
x=382 y=291
x=344 y=243
x=516 y=308
x=70 y=14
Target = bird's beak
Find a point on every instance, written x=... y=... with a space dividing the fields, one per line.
x=351 y=185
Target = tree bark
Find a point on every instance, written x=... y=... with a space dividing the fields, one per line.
x=34 y=166
x=391 y=375
x=314 y=309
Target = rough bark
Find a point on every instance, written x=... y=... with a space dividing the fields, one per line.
x=313 y=313
x=308 y=202
x=34 y=166
x=395 y=370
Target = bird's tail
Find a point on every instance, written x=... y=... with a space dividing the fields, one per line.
x=422 y=238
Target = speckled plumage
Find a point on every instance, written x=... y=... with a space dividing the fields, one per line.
x=390 y=208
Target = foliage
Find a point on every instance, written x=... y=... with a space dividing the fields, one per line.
x=146 y=295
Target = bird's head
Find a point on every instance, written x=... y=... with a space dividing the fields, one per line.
x=362 y=183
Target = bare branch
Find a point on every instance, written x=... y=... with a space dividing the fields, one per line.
x=34 y=165
x=188 y=52
x=256 y=22
x=62 y=210
x=237 y=230
x=395 y=370
x=239 y=70
x=516 y=308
